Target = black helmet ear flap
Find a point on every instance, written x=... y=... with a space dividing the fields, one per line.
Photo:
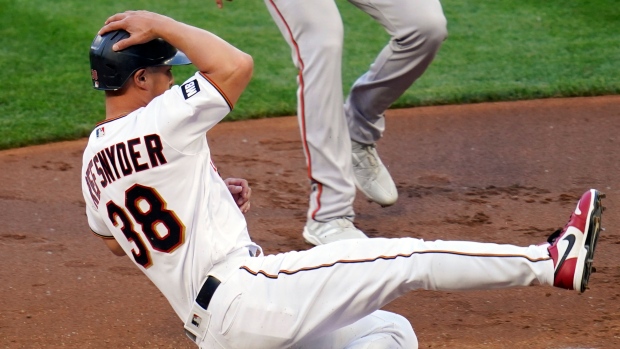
x=111 y=69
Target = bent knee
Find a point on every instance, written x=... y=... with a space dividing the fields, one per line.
x=401 y=330
x=404 y=332
x=435 y=28
x=430 y=30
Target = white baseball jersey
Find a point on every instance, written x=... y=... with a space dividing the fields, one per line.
x=149 y=182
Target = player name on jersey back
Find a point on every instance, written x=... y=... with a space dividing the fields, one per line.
x=123 y=159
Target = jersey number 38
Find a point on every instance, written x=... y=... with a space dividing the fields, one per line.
x=162 y=228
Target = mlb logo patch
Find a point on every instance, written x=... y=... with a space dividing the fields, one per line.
x=196 y=320
x=190 y=88
x=100 y=132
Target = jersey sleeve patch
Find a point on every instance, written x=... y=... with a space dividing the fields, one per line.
x=190 y=88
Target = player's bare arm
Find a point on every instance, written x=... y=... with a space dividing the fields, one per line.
x=241 y=192
x=114 y=246
x=228 y=67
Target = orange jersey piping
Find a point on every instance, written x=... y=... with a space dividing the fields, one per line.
x=291 y=272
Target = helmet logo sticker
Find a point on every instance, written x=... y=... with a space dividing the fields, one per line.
x=93 y=74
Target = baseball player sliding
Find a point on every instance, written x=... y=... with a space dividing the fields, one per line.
x=153 y=194
x=340 y=143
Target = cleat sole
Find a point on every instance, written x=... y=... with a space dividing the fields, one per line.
x=594 y=230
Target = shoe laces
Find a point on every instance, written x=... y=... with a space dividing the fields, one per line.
x=556 y=234
x=341 y=223
x=370 y=155
x=337 y=225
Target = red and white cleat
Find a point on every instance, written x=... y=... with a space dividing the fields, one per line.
x=572 y=248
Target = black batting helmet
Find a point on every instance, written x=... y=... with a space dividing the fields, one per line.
x=111 y=69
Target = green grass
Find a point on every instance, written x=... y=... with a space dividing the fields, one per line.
x=497 y=50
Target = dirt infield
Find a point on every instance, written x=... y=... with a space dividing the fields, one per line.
x=501 y=172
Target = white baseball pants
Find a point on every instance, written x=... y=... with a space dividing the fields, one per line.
x=329 y=296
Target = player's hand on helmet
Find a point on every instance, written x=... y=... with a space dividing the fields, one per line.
x=220 y=3
x=241 y=192
x=141 y=25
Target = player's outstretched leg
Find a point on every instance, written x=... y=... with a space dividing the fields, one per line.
x=572 y=247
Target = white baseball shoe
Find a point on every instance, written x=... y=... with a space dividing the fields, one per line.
x=572 y=248
x=321 y=233
x=371 y=176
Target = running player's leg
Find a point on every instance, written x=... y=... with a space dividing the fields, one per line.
x=313 y=30
x=417 y=29
x=300 y=295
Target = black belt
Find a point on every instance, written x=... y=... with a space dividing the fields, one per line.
x=206 y=292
